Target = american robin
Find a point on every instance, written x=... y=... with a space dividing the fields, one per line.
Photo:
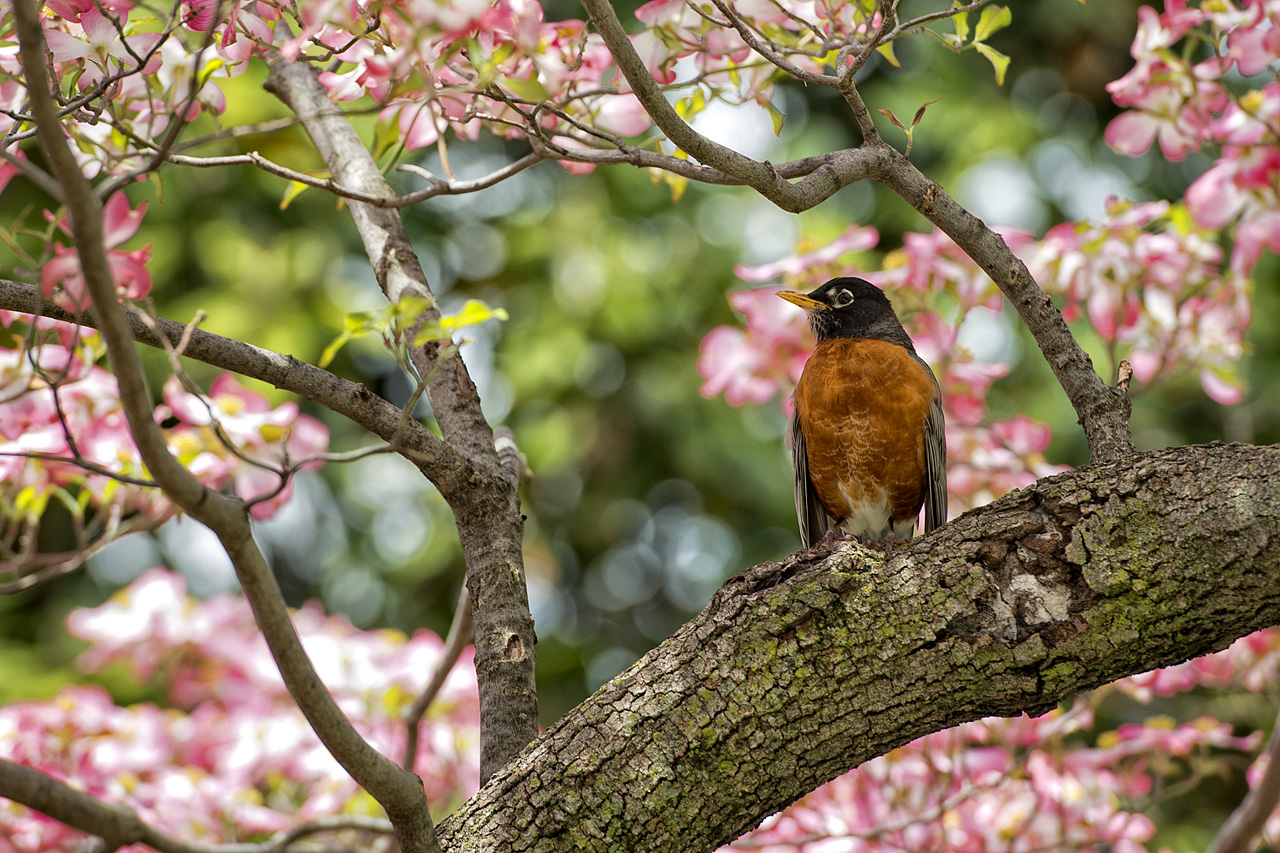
x=867 y=432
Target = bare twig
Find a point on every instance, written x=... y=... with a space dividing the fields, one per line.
x=1103 y=411
x=33 y=173
x=459 y=636
x=844 y=168
x=80 y=461
x=769 y=53
x=1241 y=829
x=30 y=569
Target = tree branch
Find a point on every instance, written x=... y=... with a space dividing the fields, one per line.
x=767 y=51
x=798 y=671
x=1103 y=411
x=459 y=636
x=1246 y=822
x=120 y=827
x=398 y=791
x=437 y=461
x=438 y=187
x=490 y=526
x=33 y=789
x=844 y=167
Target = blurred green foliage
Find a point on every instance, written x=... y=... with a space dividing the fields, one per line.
x=645 y=496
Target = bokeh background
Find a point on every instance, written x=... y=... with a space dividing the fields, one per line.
x=645 y=496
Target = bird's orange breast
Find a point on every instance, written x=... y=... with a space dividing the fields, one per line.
x=862 y=406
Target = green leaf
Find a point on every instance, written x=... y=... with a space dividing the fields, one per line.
x=689 y=107
x=961 y=20
x=776 y=115
x=31 y=502
x=207 y=72
x=407 y=311
x=473 y=313
x=994 y=19
x=677 y=183
x=357 y=324
x=998 y=60
x=525 y=89
x=332 y=349
x=886 y=50
x=292 y=191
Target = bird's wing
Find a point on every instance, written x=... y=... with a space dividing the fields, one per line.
x=809 y=510
x=935 y=468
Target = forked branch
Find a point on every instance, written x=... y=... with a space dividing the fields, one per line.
x=1103 y=411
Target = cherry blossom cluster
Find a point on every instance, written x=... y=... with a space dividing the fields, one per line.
x=64 y=438
x=493 y=66
x=233 y=437
x=467 y=66
x=228 y=756
x=61 y=278
x=1054 y=782
x=1202 y=81
x=935 y=287
x=1153 y=279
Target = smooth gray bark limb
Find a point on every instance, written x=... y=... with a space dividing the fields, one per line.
x=487 y=508
x=798 y=671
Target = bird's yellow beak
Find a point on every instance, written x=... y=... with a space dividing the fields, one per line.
x=805 y=301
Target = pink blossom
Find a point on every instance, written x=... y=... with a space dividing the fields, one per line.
x=657 y=57
x=276 y=439
x=751 y=366
x=662 y=13
x=623 y=115
x=62 y=278
x=820 y=261
x=234 y=759
x=1022 y=435
x=1253 y=48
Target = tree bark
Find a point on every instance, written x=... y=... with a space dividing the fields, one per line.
x=486 y=507
x=798 y=671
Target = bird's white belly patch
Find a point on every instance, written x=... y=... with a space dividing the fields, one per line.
x=868 y=518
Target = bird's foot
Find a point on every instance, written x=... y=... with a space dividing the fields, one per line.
x=833 y=537
x=884 y=544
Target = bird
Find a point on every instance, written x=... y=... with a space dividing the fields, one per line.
x=867 y=429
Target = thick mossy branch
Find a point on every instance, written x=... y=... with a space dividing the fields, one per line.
x=797 y=671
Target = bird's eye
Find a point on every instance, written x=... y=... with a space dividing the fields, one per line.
x=842 y=298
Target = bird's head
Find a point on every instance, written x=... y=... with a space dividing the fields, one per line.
x=849 y=308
